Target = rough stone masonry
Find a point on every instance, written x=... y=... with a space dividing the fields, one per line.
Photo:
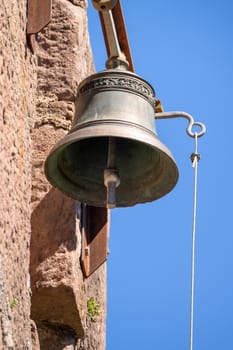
x=43 y=294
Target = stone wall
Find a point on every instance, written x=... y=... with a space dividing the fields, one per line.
x=17 y=112
x=39 y=226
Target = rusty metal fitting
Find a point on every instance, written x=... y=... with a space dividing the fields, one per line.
x=195 y=156
x=117 y=63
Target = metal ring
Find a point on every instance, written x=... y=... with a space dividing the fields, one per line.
x=200 y=125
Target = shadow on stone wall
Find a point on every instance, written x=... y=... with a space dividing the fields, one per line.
x=56 y=337
x=53 y=225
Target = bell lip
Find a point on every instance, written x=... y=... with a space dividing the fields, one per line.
x=57 y=179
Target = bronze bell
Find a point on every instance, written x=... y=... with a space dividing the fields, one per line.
x=112 y=155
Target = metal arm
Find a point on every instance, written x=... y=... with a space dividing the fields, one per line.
x=169 y=115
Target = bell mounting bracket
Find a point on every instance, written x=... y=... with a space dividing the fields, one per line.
x=191 y=124
x=114 y=32
x=39 y=15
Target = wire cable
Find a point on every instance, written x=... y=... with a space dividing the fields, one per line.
x=195 y=157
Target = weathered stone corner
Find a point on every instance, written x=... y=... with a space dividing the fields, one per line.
x=59 y=290
x=56 y=277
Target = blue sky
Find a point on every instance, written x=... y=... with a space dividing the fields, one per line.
x=185 y=50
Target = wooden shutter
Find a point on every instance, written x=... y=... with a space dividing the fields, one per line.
x=39 y=15
x=95 y=231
